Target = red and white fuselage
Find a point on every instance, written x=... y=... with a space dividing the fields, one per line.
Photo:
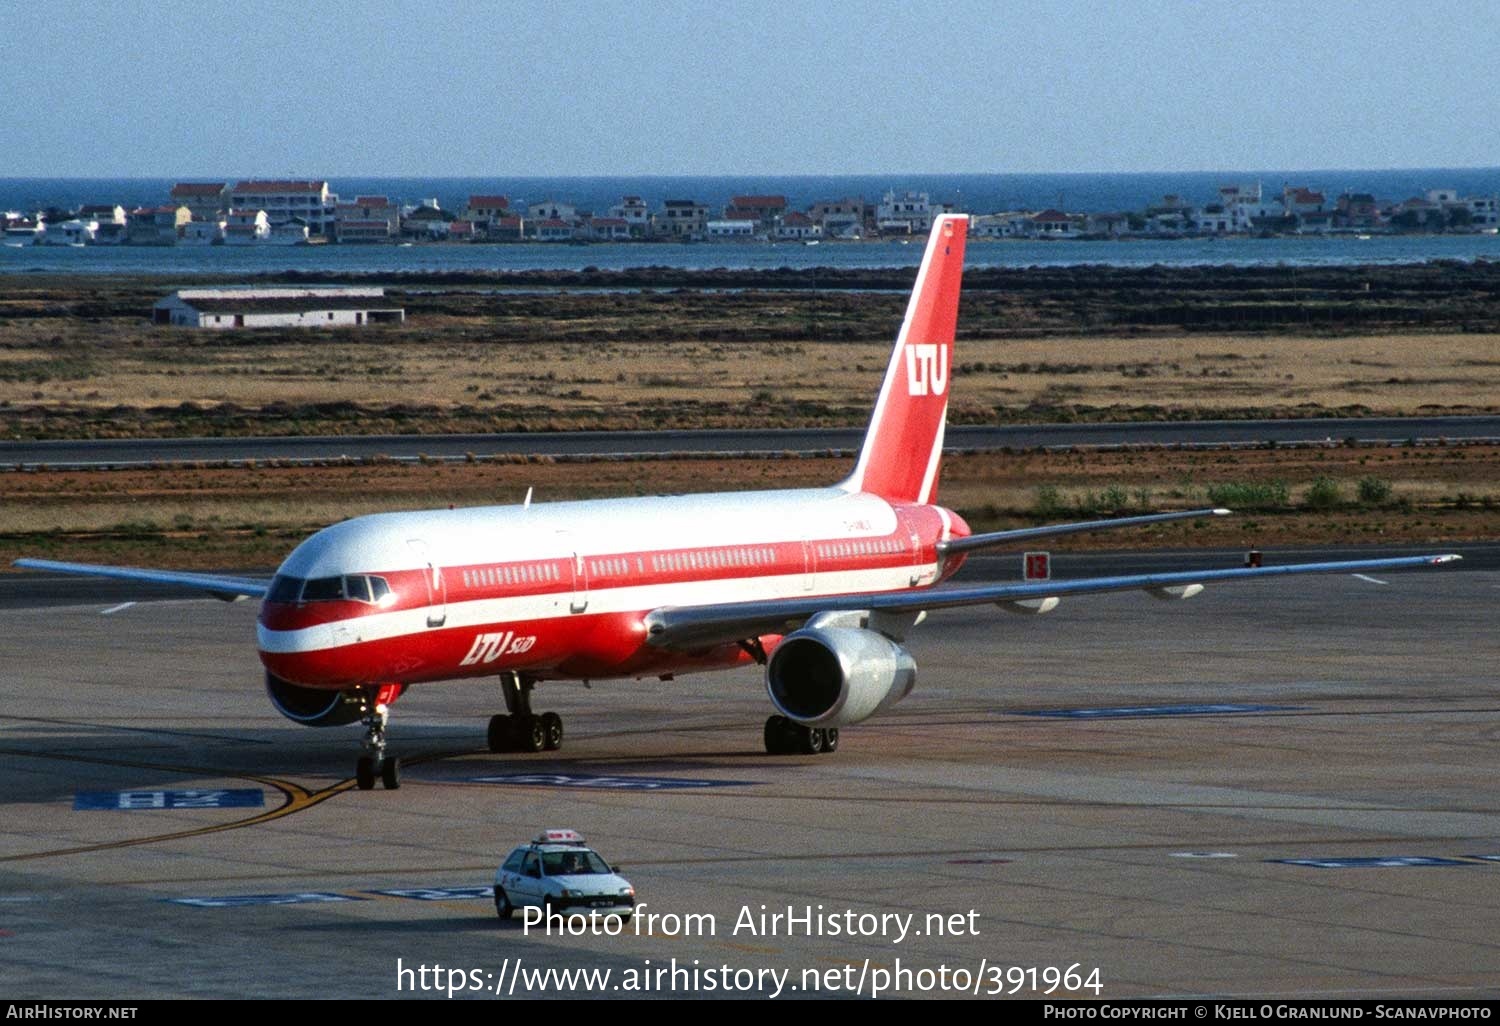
x=561 y=590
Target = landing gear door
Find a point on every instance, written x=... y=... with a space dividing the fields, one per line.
x=437 y=588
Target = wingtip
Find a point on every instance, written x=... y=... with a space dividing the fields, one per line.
x=1220 y=511
x=1451 y=557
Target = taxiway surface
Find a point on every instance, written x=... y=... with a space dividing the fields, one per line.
x=1114 y=785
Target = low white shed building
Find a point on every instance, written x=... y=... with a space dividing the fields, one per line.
x=277 y=307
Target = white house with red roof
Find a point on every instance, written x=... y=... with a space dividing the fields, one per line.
x=1054 y=224
x=485 y=210
x=765 y=210
x=554 y=229
x=797 y=225
x=608 y=229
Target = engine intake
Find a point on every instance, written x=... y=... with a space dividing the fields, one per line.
x=834 y=676
x=311 y=707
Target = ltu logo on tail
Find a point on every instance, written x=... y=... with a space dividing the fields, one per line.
x=926 y=369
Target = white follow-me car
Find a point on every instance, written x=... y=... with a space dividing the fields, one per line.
x=558 y=872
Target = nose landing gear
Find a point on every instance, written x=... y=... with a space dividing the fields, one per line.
x=374 y=709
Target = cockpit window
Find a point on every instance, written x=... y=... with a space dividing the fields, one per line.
x=357 y=587
x=322 y=589
x=285 y=589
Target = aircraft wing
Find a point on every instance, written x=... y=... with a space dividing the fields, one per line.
x=998 y=538
x=694 y=627
x=229 y=589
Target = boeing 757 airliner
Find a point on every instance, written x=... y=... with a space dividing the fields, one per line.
x=821 y=586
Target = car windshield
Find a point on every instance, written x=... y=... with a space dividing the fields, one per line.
x=572 y=863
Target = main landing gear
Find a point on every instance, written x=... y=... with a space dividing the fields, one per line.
x=521 y=730
x=374 y=710
x=785 y=737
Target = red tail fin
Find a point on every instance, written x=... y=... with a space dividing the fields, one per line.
x=904 y=444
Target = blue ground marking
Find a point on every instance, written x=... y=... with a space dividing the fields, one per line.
x=606 y=783
x=1126 y=711
x=134 y=801
x=1376 y=862
x=438 y=893
x=243 y=900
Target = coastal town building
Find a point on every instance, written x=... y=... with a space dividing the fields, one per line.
x=21 y=230
x=1054 y=224
x=206 y=200
x=766 y=211
x=554 y=229
x=72 y=232
x=209 y=232
x=156 y=226
x=842 y=218
x=485 y=210
x=737 y=228
x=906 y=213
x=508 y=229
x=1357 y=210
x=551 y=210
x=682 y=219
x=102 y=213
x=428 y=221
x=608 y=229
x=242 y=227
x=797 y=225
x=310 y=307
x=308 y=202
x=635 y=213
x=367 y=219
x=1298 y=201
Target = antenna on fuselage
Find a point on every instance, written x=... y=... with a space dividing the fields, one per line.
x=526 y=502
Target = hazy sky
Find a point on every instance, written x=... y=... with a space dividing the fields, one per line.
x=460 y=87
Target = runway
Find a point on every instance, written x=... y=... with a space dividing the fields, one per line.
x=63 y=454
x=1116 y=786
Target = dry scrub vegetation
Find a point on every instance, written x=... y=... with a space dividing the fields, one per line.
x=251 y=517
x=78 y=359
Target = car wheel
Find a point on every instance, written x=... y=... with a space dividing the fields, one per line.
x=503 y=908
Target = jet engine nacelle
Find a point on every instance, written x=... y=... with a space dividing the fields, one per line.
x=831 y=676
x=311 y=707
